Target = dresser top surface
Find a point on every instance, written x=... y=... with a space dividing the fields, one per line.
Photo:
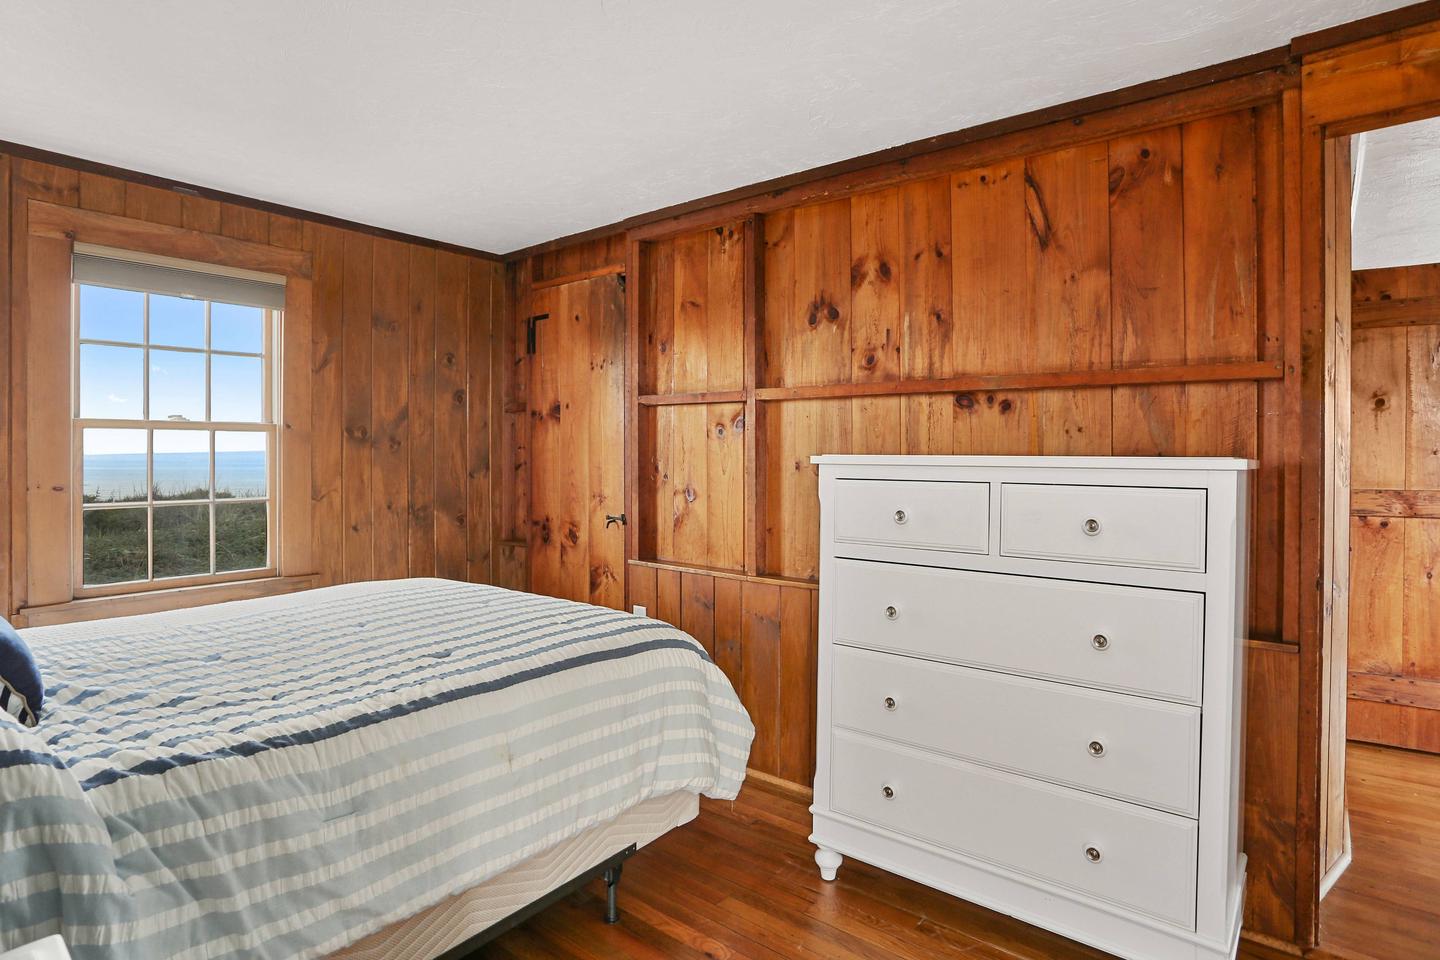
x=1221 y=464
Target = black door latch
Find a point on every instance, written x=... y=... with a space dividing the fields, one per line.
x=610 y=519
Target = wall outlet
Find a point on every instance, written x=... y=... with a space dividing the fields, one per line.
x=639 y=611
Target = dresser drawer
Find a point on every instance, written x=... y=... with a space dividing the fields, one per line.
x=1146 y=859
x=1158 y=527
x=929 y=515
x=1130 y=748
x=1131 y=639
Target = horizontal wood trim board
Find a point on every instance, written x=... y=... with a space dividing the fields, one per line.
x=180 y=188
x=110 y=230
x=611 y=269
x=680 y=399
x=726 y=574
x=1181 y=373
x=1406 y=691
x=1395 y=503
x=153 y=601
x=1402 y=312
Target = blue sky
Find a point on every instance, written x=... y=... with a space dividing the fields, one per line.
x=112 y=377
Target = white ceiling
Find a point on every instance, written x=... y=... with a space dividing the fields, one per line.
x=504 y=123
x=1397 y=196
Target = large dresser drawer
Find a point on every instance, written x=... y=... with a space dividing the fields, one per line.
x=1146 y=751
x=924 y=514
x=1130 y=639
x=1138 y=858
x=1158 y=527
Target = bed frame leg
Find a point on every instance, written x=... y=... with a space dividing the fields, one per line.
x=612 y=883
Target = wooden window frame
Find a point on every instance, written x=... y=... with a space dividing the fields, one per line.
x=268 y=425
x=50 y=429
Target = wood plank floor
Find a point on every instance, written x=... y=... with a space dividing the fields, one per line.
x=1387 y=905
x=739 y=883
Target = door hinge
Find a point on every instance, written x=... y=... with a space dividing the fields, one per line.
x=531 y=328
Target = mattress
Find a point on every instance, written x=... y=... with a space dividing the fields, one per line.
x=456 y=919
x=283 y=777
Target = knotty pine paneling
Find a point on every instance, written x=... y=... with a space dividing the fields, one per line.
x=1137 y=251
x=1395 y=535
x=397 y=348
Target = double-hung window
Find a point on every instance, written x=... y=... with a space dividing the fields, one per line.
x=174 y=426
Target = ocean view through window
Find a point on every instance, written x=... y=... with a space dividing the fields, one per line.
x=174 y=424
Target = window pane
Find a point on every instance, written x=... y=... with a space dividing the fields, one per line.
x=112 y=465
x=114 y=546
x=177 y=322
x=182 y=465
x=239 y=464
x=112 y=382
x=177 y=385
x=237 y=389
x=241 y=538
x=107 y=314
x=241 y=329
x=182 y=541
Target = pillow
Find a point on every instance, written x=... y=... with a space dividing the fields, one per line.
x=21 y=692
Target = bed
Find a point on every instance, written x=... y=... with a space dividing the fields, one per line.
x=369 y=770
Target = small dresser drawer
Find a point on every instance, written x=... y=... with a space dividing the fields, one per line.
x=1131 y=639
x=1145 y=751
x=1157 y=527
x=928 y=515
x=1128 y=855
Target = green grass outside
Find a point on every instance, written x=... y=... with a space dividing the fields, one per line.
x=115 y=549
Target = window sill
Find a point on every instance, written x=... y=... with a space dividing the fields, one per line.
x=153 y=601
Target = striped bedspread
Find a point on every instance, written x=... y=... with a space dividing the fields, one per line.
x=279 y=777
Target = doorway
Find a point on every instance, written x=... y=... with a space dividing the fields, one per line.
x=1380 y=887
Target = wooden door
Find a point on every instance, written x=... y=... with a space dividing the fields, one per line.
x=577 y=441
x=1394 y=696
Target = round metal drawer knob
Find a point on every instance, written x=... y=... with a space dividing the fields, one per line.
x=888 y=791
x=1091 y=527
x=1100 y=642
x=1096 y=748
x=889 y=703
x=1092 y=854
x=901 y=516
x=891 y=613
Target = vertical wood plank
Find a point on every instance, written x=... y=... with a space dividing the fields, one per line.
x=48 y=470
x=421 y=399
x=1377 y=595
x=327 y=416
x=1422 y=600
x=987 y=235
x=8 y=433
x=641 y=585
x=198 y=213
x=297 y=535
x=760 y=671
x=102 y=194
x=390 y=412
x=1147 y=285
x=729 y=631
x=480 y=419
x=797 y=646
x=697 y=608
x=1379 y=409
x=601 y=393
x=667 y=597
x=143 y=202
x=1422 y=464
x=452 y=293
x=355 y=464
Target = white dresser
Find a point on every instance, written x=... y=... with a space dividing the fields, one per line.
x=1031 y=688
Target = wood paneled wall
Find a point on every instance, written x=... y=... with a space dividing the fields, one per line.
x=398 y=354
x=1394 y=660
x=1125 y=293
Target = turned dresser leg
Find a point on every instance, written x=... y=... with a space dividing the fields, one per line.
x=829 y=861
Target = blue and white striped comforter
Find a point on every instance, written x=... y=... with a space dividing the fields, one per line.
x=279 y=777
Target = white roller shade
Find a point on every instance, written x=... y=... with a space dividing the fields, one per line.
x=178 y=279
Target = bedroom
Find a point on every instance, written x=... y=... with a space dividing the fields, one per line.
x=383 y=339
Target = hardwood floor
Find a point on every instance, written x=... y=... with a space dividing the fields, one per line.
x=1387 y=905
x=739 y=883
